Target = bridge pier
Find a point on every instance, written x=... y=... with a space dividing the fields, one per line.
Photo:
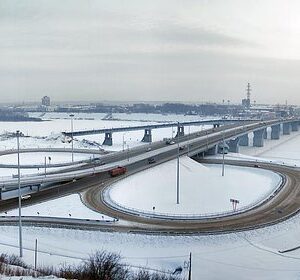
x=275 y=133
x=295 y=126
x=147 y=136
x=244 y=140
x=234 y=146
x=212 y=151
x=286 y=128
x=180 y=131
x=265 y=133
x=108 y=139
x=258 y=139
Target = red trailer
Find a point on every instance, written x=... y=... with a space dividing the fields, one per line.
x=117 y=171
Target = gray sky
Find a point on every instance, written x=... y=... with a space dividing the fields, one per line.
x=161 y=50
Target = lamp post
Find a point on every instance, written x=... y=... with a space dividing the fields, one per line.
x=123 y=142
x=188 y=145
x=177 y=189
x=19 y=195
x=72 y=115
x=223 y=160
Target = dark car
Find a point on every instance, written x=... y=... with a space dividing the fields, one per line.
x=151 y=160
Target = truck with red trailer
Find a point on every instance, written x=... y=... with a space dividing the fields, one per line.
x=120 y=170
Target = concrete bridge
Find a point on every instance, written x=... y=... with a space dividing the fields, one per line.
x=197 y=143
x=282 y=127
x=108 y=140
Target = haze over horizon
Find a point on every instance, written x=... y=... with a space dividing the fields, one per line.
x=199 y=51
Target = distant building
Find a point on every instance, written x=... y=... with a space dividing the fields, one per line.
x=246 y=103
x=46 y=101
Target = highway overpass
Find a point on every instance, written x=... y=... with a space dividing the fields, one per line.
x=192 y=144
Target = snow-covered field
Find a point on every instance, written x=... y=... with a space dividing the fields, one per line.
x=64 y=207
x=246 y=255
x=39 y=158
x=203 y=190
x=47 y=134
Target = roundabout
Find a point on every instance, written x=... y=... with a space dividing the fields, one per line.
x=203 y=191
x=282 y=204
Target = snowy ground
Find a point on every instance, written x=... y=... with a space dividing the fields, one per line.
x=39 y=158
x=276 y=150
x=63 y=207
x=246 y=255
x=156 y=187
x=47 y=134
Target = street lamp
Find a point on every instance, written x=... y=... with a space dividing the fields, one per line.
x=19 y=195
x=188 y=145
x=178 y=132
x=223 y=160
x=72 y=136
x=123 y=142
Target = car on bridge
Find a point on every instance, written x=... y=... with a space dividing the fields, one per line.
x=151 y=160
x=120 y=170
x=170 y=142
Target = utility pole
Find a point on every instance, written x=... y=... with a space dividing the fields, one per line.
x=72 y=137
x=178 y=132
x=45 y=166
x=19 y=194
x=190 y=267
x=123 y=146
x=223 y=160
x=35 y=254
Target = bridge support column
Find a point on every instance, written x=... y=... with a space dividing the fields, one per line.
x=265 y=133
x=286 y=128
x=108 y=139
x=295 y=126
x=147 y=136
x=258 y=139
x=244 y=140
x=275 y=133
x=212 y=151
x=234 y=146
x=180 y=131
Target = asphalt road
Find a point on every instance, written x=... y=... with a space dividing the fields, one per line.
x=278 y=208
x=196 y=142
x=283 y=205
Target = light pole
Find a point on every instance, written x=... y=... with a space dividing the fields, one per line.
x=72 y=115
x=45 y=166
x=178 y=132
x=19 y=195
x=188 y=145
x=123 y=145
x=223 y=160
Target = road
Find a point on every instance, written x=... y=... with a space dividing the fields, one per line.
x=278 y=208
x=195 y=143
x=283 y=205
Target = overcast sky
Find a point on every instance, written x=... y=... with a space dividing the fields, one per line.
x=158 y=50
